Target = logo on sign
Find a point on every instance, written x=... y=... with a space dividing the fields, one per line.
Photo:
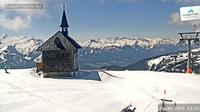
x=190 y=13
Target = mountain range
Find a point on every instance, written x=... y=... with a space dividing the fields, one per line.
x=19 y=51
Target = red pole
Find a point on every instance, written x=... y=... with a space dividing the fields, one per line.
x=189 y=70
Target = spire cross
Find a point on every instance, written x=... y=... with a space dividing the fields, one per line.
x=64 y=6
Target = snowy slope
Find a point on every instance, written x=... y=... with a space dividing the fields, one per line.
x=21 y=92
x=175 y=62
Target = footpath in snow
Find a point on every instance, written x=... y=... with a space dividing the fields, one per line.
x=21 y=92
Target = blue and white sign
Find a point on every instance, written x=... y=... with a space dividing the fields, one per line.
x=190 y=13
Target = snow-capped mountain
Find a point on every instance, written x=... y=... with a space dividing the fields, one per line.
x=123 y=51
x=120 y=42
x=19 y=52
x=175 y=62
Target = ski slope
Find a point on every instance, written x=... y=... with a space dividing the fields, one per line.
x=21 y=92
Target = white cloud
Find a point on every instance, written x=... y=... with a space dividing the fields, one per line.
x=22 y=17
x=29 y=12
x=16 y=24
x=175 y=16
x=175 y=20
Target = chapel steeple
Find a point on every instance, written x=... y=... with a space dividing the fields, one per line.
x=64 y=24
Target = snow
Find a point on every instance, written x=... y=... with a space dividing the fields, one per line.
x=38 y=59
x=19 y=51
x=24 y=45
x=21 y=92
x=123 y=41
x=174 y=61
x=156 y=61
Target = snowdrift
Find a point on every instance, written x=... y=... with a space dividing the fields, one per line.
x=21 y=92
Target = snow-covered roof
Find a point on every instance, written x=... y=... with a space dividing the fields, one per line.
x=38 y=59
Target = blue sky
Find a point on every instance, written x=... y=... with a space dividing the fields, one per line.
x=89 y=19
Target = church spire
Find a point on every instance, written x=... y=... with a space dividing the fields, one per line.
x=64 y=24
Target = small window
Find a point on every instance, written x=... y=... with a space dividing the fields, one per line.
x=58 y=43
x=57 y=40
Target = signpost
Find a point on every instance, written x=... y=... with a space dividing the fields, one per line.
x=162 y=107
x=189 y=14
